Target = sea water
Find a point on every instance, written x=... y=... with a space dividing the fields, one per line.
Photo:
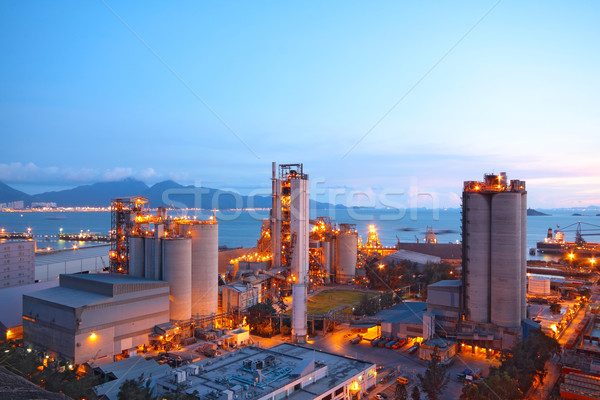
x=242 y=228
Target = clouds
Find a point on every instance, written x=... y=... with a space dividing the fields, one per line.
x=30 y=173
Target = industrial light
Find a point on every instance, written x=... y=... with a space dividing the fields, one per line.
x=93 y=336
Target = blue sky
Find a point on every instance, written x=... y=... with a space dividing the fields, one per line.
x=395 y=98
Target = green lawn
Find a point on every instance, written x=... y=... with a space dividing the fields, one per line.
x=327 y=300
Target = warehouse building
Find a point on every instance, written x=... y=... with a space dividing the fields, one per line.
x=404 y=320
x=91 y=316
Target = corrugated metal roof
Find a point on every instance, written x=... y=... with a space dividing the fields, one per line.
x=408 y=312
x=448 y=282
x=412 y=256
x=61 y=256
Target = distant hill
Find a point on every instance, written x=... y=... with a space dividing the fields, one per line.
x=162 y=194
x=96 y=195
x=535 y=213
x=9 y=194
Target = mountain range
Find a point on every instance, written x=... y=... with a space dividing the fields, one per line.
x=162 y=194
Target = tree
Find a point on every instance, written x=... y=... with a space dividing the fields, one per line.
x=498 y=385
x=555 y=308
x=527 y=360
x=400 y=393
x=415 y=394
x=259 y=317
x=281 y=305
x=436 y=377
x=134 y=389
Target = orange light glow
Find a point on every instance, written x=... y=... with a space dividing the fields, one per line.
x=93 y=336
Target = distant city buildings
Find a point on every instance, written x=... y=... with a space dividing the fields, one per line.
x=17 y=260
x=43 y=204
x=13 y=205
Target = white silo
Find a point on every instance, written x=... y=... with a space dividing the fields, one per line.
x=476 y=228
x=177 y=270
x=137 y=256
x=205 y=266
x=299 y=325
x=506 y=260
x=346 y=249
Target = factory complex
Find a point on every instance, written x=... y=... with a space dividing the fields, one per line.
x=165 y=288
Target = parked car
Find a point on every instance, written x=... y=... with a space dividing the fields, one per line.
x=381 y=396
x=355 y=340
x=413 y=349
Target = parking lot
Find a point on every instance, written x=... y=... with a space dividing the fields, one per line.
x=399 y=361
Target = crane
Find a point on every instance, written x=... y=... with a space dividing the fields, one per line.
x=579 y=232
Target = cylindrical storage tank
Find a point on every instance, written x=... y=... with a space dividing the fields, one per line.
x=476 y=212
x=137 y=256
x=327 y=256
x=523 y=255
x=299 y=326
x=177 y=270
x=205 y=268
x=152 y=260
x=506 y=257
x=346 y=255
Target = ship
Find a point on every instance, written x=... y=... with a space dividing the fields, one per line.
x=555 y=242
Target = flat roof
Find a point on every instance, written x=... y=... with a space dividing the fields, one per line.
x=62 y=256
x=12 y=301
x=408 y=312
x=282 y=365
x=69 y=297
x=113 y=279
x=448 y=282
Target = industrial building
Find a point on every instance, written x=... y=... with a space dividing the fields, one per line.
x=16 y=262
x=444 y=303
x=238 y=296
x=494 y=215
x=284 y=371
x=404 y=320
x=11 y=317
x=89 y=259
x=92 y=316
x=180 y=251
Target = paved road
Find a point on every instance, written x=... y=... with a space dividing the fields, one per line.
x=404 y=364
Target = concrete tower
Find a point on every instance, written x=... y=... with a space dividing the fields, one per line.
x=276 y=219
x=299 y=242
x=494 y=250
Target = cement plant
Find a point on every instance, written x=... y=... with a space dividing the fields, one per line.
x=312 y=311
